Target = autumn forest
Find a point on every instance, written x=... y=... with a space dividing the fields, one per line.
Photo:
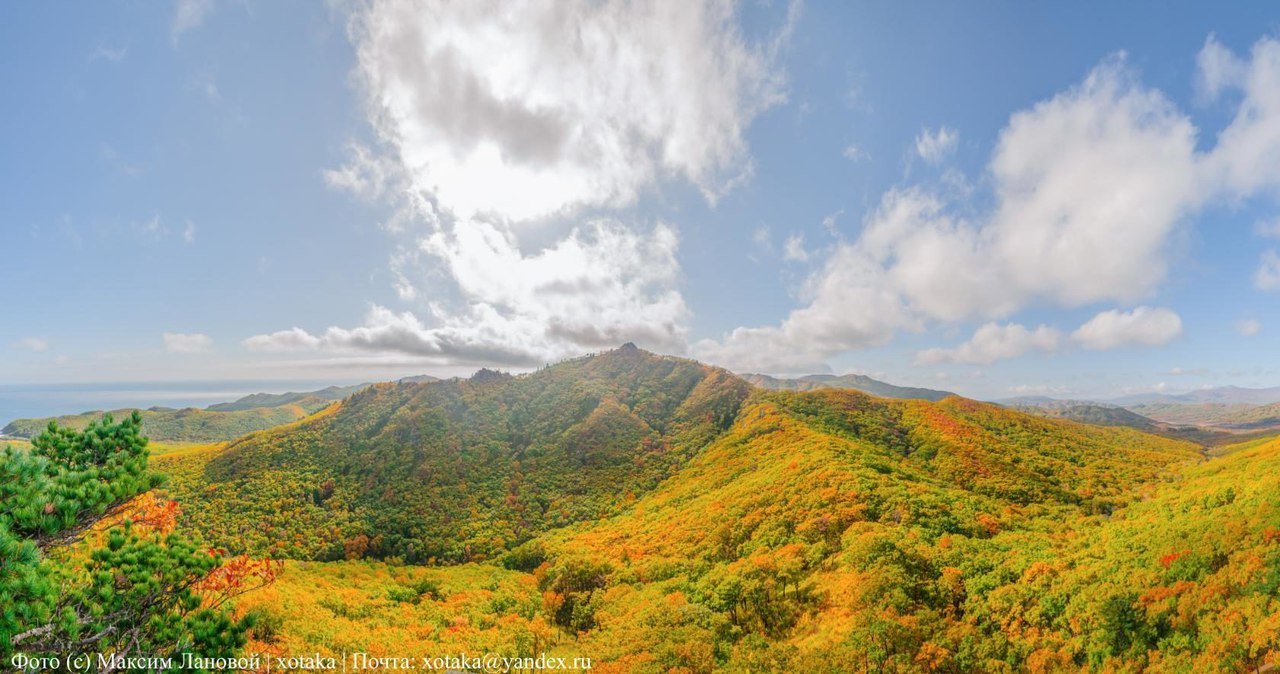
x=651 y=514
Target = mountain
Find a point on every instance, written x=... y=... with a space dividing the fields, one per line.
x=857 y=382
x=656 y=514
x=418 y=379
x=463 y=469
x=256 y=400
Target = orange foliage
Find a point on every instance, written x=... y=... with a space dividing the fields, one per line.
x=154 y=514
x=237 y=575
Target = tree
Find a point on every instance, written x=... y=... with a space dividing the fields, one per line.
x=147 y=590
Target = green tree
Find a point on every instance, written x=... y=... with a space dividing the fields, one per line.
x=140 y=593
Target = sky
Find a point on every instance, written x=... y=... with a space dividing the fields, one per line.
x=997 y=199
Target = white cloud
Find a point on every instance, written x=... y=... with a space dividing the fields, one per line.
x=179 y=342
x=1268 y=275
x=855 y=154
x=830 y=220
x=1040 y=389
x=849 y=308
x=34 y=343
x=153 y=227
x=1270 y=229
x=762 y=238
x=189 y=232
x=793 y=250
x=476 y=94
x=599 y=287
x=1143 y=326
x=496 y=129
x=368 y=174
x=1217 y=69
x=993 y=342
x=1243 y=161
x=114 y=55
x=1248 y=327
x=935 y=146
x=1091 y=188
x=293 y=339
x=187 y=16
x=1092 y=185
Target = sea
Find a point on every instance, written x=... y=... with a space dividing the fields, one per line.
x=24 y=401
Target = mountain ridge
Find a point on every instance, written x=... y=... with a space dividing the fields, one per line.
x=858 y=382
x=663 y=514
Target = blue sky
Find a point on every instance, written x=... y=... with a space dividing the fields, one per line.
x=996 y=199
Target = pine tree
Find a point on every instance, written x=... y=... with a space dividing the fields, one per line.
x=140 y=593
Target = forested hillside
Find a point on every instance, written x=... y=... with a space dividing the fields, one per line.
x=659 y=515
x=463 y=469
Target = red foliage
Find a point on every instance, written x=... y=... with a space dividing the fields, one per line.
x=1172 y=557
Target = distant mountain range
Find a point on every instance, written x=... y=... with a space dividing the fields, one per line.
x=857 y=382
x=1209 y=416
x=1223 y=395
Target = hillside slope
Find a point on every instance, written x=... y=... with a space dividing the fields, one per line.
x=810 y=536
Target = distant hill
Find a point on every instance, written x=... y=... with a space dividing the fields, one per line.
x=215 y=423
x=1237 y=416
x=857 y=382
x=417 y=379
x=1097 y=414
x=257 y=400
x=184 y=425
